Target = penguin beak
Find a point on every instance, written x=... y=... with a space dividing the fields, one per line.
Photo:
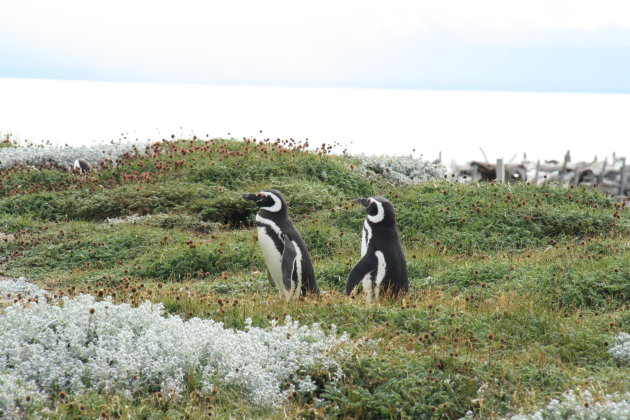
x=364 y=201
x=252 y=197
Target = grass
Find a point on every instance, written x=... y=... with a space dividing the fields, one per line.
x=516 y=294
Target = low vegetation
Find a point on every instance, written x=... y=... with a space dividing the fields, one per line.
x=519 y=293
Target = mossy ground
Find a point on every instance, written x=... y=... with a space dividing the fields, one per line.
x=516 y=291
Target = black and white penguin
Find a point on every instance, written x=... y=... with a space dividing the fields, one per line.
x=286 y=255
x=81 y=166
x=382 y=267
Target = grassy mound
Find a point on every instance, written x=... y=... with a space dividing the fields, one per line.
x=517 y=291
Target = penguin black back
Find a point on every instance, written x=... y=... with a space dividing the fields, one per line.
x=286 y=255
x=383 y=267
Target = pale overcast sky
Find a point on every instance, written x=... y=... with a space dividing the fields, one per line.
x=534 y=45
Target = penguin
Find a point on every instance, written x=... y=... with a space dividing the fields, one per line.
x=288 y=261
x=81 y=166
x=383 y=267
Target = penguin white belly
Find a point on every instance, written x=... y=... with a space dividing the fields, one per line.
x=367 y=286
x=273 y=259
x=380 y=272
x=372 y=280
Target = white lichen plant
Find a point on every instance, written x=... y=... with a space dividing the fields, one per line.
x=621 y=349
x=583 y=406
x=399 y=169
x=80 y=345
x=65 y=156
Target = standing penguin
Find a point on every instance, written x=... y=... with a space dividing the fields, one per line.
x=382 y=265
x=287 y=258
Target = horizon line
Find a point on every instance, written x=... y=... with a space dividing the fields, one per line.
x=324 y=86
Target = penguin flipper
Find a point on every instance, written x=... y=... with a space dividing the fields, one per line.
x=365 y=266
x=288 y=263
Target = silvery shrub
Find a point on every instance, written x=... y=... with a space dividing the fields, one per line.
x=80 y=344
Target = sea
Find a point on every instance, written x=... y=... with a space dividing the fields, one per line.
x=451 y=126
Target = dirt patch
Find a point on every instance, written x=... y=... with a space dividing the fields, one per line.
x=7 y=237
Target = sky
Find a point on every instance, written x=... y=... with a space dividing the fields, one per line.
x=496 y=45
x=453 y=76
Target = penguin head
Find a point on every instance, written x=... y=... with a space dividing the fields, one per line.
x=269 y=200
x=379 y=210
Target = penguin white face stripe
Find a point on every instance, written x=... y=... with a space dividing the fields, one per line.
x=271 y=224
x=277 y=203
x=380 y=215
